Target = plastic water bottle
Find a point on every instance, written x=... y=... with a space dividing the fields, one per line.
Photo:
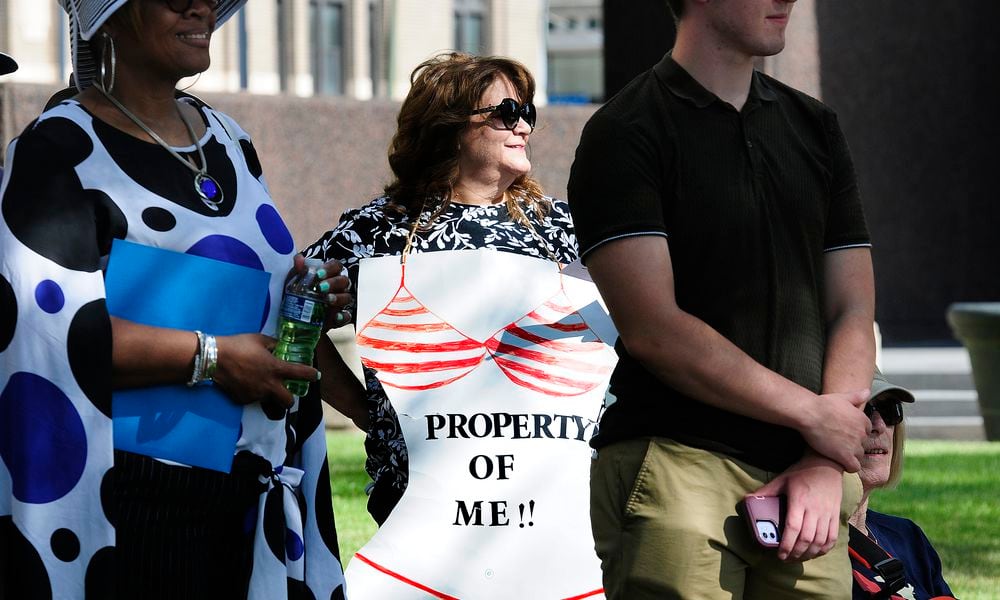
x=301 y=323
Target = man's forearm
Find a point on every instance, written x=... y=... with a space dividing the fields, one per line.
x=690 y=356
x=683 y=351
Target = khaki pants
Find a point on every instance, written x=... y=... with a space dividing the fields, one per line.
x=666 y=525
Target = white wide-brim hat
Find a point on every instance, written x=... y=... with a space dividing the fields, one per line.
x=87 y=16
x=7 y=64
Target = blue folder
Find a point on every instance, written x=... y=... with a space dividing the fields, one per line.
x=198 y=425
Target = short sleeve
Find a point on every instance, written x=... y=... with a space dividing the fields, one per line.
x=560 y=233
x=361 y=233
x=846 y=226
x=45 y=206
x=342 y=243
x=616 y=187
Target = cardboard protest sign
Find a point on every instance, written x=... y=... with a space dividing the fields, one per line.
x=497 y=366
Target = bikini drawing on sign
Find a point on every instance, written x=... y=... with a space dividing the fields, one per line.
x=497 y=365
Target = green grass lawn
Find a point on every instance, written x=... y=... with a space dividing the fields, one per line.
x=952 y=489
x=346 y=454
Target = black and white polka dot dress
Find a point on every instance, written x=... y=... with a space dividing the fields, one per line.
x=72 y=184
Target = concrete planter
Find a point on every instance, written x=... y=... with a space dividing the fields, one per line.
x=977 y=325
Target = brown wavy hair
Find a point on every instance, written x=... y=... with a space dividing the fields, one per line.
x=424 y=151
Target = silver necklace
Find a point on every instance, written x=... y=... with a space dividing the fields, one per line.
x=207 y=188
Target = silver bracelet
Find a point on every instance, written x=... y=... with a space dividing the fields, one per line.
x=211 y=358
x=200 y=360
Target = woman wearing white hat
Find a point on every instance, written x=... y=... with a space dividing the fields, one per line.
x=130 y=159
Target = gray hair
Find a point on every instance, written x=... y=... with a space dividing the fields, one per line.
x=896 y=465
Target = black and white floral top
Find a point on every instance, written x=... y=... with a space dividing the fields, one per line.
x=371 y=231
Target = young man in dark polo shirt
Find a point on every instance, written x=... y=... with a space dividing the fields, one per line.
x=718 y=212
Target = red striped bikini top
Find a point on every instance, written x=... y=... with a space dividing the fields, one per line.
x=550 y=350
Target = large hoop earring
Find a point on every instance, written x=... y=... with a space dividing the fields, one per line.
x=108 y=56
x=191 y=85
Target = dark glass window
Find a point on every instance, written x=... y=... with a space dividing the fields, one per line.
x=284 y=43
x=470 y=23
x=242 y=50
x=327 y=44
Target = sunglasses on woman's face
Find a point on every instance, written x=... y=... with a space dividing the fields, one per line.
x=890 y=409
x=510 y=111
x=182 y=6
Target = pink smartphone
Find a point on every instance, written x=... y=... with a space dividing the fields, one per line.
x=764 y=515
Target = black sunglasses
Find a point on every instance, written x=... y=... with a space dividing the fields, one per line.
x=510 y=111
x=890 y=409
x=182 y=6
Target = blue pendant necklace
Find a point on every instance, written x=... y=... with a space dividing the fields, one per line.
x=205 y=185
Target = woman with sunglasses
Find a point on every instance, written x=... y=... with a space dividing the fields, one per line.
x=129 y=158
x=882 y=467
x=460 y=164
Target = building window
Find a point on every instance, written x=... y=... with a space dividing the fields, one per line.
x=284 y=43
x=575 y=53
x=470 y=20
x=376 y=58
x=327 y=18
x=241 y=43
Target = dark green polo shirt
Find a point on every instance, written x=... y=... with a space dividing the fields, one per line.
x=749 y=202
